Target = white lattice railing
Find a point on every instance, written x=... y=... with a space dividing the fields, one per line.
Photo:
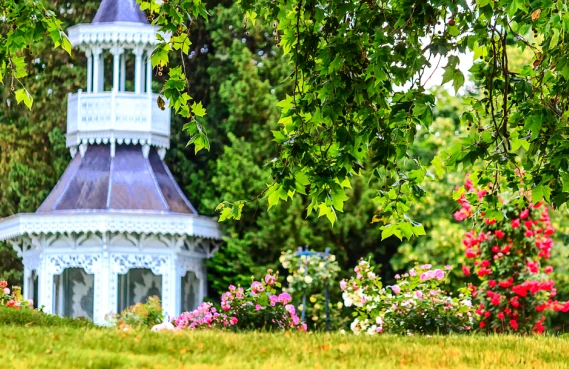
x=122 y=111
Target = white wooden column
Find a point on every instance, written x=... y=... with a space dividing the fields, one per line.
x=117 y=52
x=138 y=51
x=89 y=70
x=45 y=286
x=97 y=70
x=149 y=75
x=101 y=302
x=123 y=72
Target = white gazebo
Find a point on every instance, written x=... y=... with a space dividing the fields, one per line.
x=116 y=228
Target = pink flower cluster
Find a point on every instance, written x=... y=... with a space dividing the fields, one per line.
x=259 y=306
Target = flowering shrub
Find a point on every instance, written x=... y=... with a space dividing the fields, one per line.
x=258 y=307
x=415 y=304
x=509 y=250
x=310 y=274
x=148 y=314
x=14 y=298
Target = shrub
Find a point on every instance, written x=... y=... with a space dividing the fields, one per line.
x=148 y=315
x=416 y=304
x=508 y=248
x=258 y=307
x=35 y=318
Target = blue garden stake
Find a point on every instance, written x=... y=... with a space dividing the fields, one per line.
x=322 y=255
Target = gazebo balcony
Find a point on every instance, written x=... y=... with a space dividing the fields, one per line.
x=121 y=116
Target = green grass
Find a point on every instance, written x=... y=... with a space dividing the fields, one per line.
x=65 y=347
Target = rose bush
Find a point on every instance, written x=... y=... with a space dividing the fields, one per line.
x=509 y=248
x=13 y=298
x=415 y=304
x=258 y=307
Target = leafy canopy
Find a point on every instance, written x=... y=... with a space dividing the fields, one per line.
x=358 y=100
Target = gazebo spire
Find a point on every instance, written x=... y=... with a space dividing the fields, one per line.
x=119 y=11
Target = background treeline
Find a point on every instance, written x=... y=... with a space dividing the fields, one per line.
x=239 y=78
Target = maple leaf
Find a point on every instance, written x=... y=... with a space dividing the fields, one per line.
x=535 y=14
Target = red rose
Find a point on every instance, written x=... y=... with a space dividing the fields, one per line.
x=470 y=253
x=524 y=214
x=514 y=324
x=495 y=248
x=548 y=269
x=500 y=315
x=549 y=231
x=492 y=283
x=529 y=233
x=515 y=223
x=487 y=314
x=466 y=270
x=506 y=249
x=499 y=234
x=482 y=324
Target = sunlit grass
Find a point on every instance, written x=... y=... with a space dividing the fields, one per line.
x=68 y=347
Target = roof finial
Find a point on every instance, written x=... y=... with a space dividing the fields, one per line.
x=119 y=11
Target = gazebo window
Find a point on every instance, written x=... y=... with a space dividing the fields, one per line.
x=190 y=292
x=137 y=286
x=73 y=293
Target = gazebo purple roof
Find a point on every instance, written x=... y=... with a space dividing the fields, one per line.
x=128 y=181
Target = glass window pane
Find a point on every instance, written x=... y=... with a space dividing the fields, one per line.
x=190 y=292
x=137 y=286
x=74 y=293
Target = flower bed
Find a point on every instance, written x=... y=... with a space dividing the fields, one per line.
x=258 y=307
x=13 y=298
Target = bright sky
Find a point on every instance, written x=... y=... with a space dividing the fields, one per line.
x=466 y=61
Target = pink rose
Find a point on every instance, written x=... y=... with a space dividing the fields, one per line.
x=343 y=284
x=439 y=274
x=233 y=321
x=257 y=307
x=419 y=294
x=6 y=291
x=396 y=289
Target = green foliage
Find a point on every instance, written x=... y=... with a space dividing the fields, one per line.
x=25 y=23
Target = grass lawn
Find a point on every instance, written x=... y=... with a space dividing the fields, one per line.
x=64 y=347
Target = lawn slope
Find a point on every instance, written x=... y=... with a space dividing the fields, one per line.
x=84 y=347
